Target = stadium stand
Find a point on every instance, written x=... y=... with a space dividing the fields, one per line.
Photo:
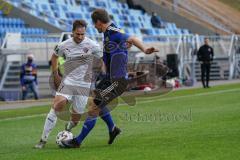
x=61 y=14
x=213 y=14
x=16 y=25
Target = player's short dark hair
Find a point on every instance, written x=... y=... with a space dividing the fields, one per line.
x=79 y=24
x=101 y=15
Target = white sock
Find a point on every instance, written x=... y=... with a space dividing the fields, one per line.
x=50 y=123
x=71 y=125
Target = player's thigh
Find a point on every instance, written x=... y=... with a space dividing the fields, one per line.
x=80 y=103
x=59 y=102
x=110 y=91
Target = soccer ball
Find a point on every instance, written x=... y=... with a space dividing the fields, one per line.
x=63 y=135
x=147 y=89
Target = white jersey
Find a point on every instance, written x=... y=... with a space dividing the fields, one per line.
x=78 y=58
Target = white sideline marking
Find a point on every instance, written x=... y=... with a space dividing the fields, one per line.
x=142 y=102
x=23 y=117
x=186 y=96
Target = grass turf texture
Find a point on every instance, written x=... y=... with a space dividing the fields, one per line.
x=186 y=124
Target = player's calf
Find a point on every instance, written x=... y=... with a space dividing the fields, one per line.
x=51 y=121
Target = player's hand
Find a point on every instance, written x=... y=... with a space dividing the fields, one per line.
x=23 y=88
x=150 y=50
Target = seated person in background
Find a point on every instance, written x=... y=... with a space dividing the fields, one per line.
x=28 y=78
x=156 y=21
x=131 y=5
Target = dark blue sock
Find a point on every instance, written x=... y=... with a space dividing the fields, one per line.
x=87 y=127
x=108 y=120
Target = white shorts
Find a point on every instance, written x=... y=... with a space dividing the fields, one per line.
x=79 y=102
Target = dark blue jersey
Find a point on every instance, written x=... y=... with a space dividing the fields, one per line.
x=28 y=73
x=115 y=54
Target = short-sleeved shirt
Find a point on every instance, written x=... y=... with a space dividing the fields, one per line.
x=78 y=60
x=70 y=49
x=28 y=73
x=115 y=54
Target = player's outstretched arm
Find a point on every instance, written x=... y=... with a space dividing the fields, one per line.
x=136 y=42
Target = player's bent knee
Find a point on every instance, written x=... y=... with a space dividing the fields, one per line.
x=59 y=103
x=94 y=111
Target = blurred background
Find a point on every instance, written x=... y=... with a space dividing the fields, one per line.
x=176 y=27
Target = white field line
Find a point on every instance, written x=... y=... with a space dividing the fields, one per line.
x=186 y=96
x=22 y=117
x=142 y=102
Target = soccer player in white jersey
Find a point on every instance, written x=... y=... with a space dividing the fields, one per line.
x=77 y=47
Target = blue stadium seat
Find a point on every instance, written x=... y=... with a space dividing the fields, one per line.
x=44 y=7
x=130 y=19
x=100 y=4
x=52 y=21
x=115 y=11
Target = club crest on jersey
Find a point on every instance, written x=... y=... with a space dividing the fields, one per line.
x=85 y=50
x=107 y=39
x=67 y=51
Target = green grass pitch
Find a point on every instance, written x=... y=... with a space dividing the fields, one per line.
x=186 y=124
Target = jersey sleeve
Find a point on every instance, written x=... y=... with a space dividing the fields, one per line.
x=97 y=50
x=125 y=36
x=58 y=50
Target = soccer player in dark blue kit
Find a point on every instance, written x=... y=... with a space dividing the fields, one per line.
x=115 y=57
x=28 y=78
